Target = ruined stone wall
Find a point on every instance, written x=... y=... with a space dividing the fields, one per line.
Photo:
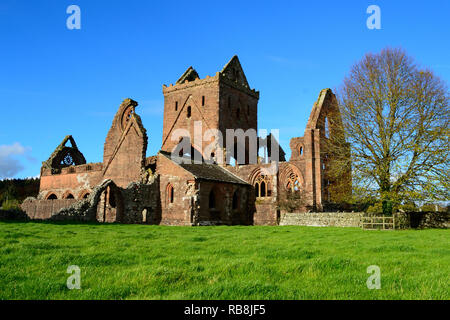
x=142 y=202
x=125 y=146
x=266 y=213
x=302 y=159
x=266 y=208
x=263 y=210
x=223 y=211
x=127 y=162
x=44 y=209
x=439 y=220
x=424 y=220
x=75 y=180
x=68 y=209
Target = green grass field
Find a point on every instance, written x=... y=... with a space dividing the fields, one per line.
x=157 y=262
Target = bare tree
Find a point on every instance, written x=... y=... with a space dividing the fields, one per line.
x=396 y=118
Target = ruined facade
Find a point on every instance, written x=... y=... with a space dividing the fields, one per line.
x=207 y=182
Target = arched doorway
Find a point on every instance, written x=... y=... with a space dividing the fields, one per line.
x=110 y=205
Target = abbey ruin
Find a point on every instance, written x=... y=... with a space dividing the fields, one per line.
x=171 y=187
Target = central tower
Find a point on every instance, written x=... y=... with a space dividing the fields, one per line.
x=224 y=101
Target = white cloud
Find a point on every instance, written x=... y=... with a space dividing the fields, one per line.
x=10 y=164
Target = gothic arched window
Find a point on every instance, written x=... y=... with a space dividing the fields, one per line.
x=169 y=194
x=262 y=187
x=126 y=116
x=293 y=183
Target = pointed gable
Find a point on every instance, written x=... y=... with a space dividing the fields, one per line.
x=325 y=114
x=64 y=155
x=190 y=75
x=326 y=103
x=234 y=72
x=125 y=146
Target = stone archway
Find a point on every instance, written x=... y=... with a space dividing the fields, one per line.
x=291 y=178
x=110 y=205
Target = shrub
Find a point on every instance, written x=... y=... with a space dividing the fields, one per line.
x=290 y=201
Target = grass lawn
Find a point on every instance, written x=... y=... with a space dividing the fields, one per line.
x=157 y=262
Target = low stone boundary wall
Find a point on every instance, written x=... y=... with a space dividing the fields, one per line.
x=321 y=219
x=419 y=220
x=424 y=220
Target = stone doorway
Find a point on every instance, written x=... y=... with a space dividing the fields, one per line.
x=110 y=205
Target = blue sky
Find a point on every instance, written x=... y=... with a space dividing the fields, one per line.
x=55 y=81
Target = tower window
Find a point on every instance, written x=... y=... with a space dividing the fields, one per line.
x=176 y=105
x=229 y=102
x=189 y=111
x=248 y=109
x=203 y=101
x=238 y=113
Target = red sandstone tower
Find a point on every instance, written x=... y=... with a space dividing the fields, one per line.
x=224 y=101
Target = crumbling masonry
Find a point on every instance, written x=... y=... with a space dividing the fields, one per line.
x=130 y=187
